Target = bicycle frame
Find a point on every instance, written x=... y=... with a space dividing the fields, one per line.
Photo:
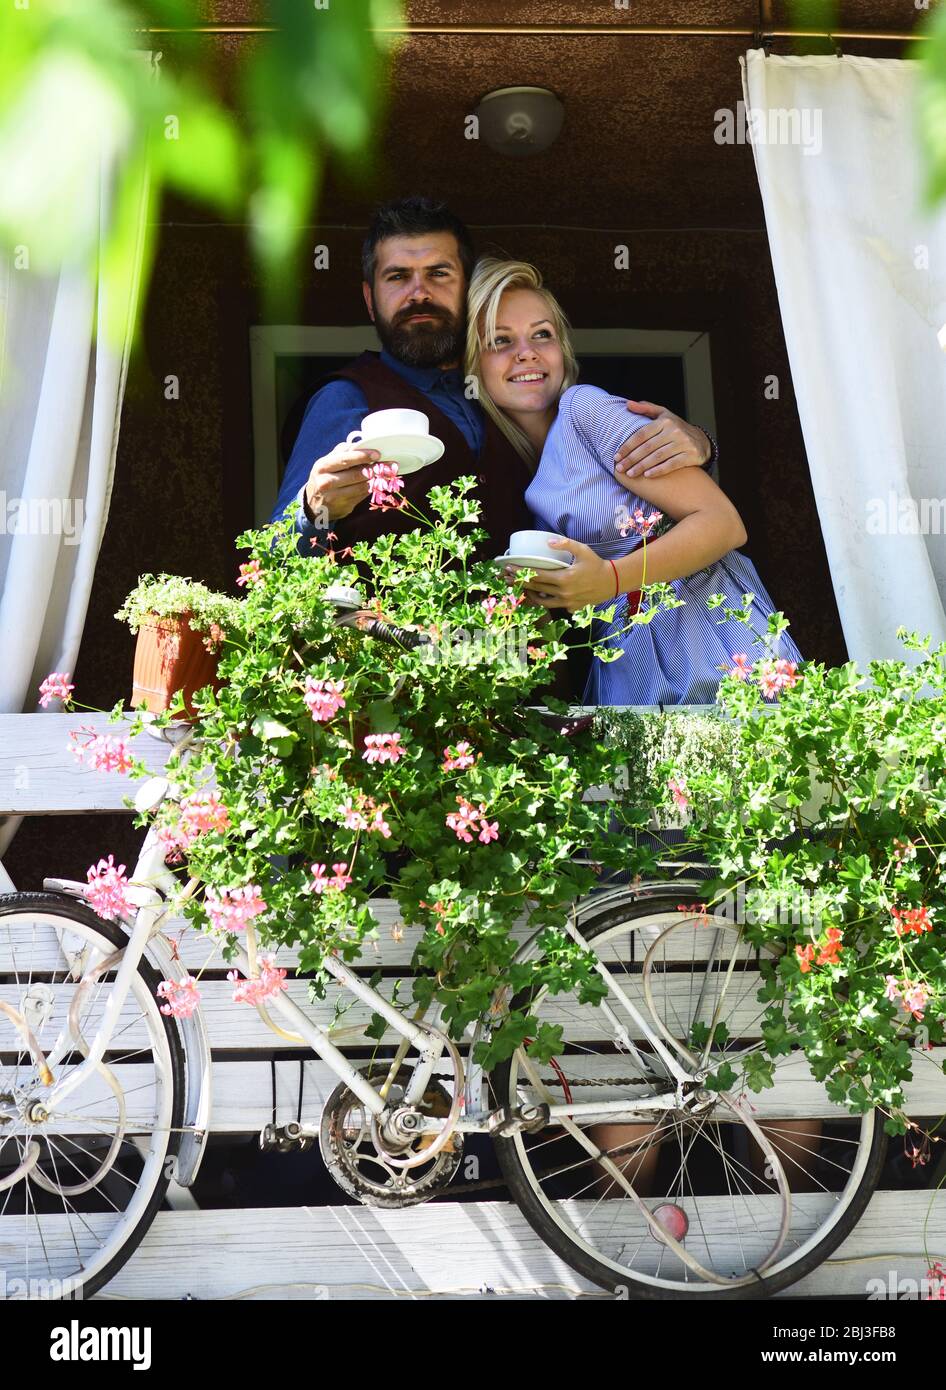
x=152 y=879
x=413 y=1032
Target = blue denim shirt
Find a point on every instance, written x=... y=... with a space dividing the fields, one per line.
x=340 y=406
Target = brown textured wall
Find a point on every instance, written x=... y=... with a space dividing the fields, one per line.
x=636 y=164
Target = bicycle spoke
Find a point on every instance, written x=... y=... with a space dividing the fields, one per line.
x=113 y=1156
x=701 y=1166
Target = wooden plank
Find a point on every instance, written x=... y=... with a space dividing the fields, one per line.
x=39 y=775
x=393 y=948
x=243 y=1100
x=451 y=1249
x=239 y=1026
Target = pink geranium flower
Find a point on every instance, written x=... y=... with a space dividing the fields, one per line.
x=471 y=818
x=916 y=996
x=183 y=997
x=100 y=752
x=356 y=817
x=787 y=672
x=231 y=908
x=741 y=666
x=503 y=607
x=200 y=813
x=341 y=877
x=770 y=682
x=272 y=979
x=323 y=698
x=383 y=748
x=461 y=822
x=775 y=676
x=106 y=893
x=354 y=820
x=322 y=880
x=455 y=759
x=55 y=687
x=250 y=574
x=385 y=486
x=203 y=812
x=912 y=995
x=679 y=793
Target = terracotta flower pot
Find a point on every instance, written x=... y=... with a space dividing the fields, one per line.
x=170 y=657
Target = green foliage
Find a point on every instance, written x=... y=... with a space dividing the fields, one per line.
x=76 y=88
x=290 y=781
x=647 y=745
x=833 y=803
x=171 y=596
x=931 y=106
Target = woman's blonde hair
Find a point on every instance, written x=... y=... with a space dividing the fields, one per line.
x=490 y=280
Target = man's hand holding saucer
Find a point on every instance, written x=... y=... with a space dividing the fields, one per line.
x=336 y=483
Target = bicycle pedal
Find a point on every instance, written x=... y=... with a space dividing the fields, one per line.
x=506 y=1122
x=285 y=1138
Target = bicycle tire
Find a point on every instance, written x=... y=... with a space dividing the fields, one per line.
x=73 y=910
x=522 y=1190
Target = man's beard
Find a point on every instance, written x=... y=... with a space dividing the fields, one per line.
x=422 y=344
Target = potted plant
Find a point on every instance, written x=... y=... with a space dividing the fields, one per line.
x=181 y=627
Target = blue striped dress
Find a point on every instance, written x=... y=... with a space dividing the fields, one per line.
x=675 y=658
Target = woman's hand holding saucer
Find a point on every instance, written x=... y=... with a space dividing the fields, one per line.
x=588 y=579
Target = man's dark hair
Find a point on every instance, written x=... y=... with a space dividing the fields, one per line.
x=414 y=217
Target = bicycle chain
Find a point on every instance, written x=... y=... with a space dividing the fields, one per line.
x=596 y=1081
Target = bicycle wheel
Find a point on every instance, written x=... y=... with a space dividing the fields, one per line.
x=734 y=1196
x=79 y=1190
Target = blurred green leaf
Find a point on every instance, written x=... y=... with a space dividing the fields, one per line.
x=200 y=149
x=77 y=95
x=931 y=109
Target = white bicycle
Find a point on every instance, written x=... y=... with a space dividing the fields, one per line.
x=619 y=1154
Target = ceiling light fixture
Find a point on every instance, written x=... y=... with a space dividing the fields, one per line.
x=520 y=121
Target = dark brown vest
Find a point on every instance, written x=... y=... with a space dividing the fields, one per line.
x=502 y=476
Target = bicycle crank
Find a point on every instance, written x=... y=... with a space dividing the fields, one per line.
x=367 y=1160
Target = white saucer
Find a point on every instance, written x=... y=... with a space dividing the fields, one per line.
x=410 y=452
x=532 y=562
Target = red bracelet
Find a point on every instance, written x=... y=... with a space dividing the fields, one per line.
x=617 y=582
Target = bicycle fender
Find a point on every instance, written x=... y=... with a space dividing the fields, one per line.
x=198 y=1070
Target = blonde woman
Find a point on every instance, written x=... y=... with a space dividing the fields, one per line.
x=519 y=350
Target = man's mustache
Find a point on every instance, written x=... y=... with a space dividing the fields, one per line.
x=428 y=311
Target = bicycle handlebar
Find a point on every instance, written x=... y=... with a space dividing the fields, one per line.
x=388 y=632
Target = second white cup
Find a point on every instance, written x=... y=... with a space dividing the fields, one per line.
x=536 y=543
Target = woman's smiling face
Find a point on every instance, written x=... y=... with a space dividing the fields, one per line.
x=523 y=370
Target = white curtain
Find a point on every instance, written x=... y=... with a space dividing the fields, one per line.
x=61 y=386
x=861 y=276
x=62 y=378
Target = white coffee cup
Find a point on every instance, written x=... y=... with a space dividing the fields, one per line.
x=536 y=543
x=381 y=424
